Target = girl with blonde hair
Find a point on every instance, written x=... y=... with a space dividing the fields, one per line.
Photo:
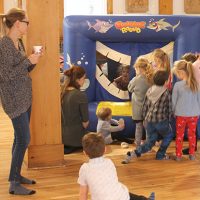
x=186 y=106
x=162 y=62
x=138 y=86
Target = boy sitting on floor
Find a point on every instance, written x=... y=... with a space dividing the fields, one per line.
x=99 y=175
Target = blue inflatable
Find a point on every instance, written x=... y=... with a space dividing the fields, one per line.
x=103 y=45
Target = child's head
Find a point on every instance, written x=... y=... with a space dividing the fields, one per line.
x=189 y=57
x=183 y=70
x=124 y=70
x=104 y=113
x=142 y=66
x=161 y=59
x=160 y=77
x=93 y=145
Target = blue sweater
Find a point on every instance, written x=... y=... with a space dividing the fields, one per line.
x=185 y=102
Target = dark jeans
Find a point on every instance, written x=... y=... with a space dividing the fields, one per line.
x=20 y=144
x=137 y=197
x=154 y=130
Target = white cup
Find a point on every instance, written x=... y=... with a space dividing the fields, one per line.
x=37 y=49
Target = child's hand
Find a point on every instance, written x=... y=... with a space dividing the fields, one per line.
x=34 y=58
x=121 y=120
x=122 y=126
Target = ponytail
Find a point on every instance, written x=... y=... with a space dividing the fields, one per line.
x=188 y=69
x=166 y=63
x=191 y=81
x=149 y=72
x=144 y=64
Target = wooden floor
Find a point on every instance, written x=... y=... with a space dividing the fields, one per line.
x=168 y=179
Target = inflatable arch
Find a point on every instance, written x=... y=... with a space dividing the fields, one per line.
x=120 y=40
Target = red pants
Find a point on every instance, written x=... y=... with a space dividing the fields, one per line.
x=181 y=123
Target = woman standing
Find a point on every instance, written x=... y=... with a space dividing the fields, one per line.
x=16 y=92
x=75 y=117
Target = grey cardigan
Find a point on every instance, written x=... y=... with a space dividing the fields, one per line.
x=15 y=82
x=185 y=103
x=138 y=86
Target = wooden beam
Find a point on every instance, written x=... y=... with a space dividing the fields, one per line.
x=61 y=16
x=1 y=6
x=46 y=147
x=165 y=7
x=109 y=6
x=19 y=2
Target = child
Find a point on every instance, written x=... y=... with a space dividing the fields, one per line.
x=195 y=59
x=122 y=81
x=138 y=86
x=162 y=62
x=110 y=128
x=99 y=175
x=157 y=112
x=186 y=106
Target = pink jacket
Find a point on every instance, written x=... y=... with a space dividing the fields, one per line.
x=196 y=70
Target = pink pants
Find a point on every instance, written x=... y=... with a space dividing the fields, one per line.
x=181 y=123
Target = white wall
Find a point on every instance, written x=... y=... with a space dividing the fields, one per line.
x=8 y=4
x=178 y=7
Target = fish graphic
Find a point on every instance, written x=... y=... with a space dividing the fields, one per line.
x=100 y=26
x=161 y=25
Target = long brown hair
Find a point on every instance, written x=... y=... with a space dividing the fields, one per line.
x=165 y=61
x=71 y=76
x=188 y=69
x=7 y=20
x=144 y=64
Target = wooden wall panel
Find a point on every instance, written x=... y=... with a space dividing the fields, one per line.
x=192 y=6
x=165 y=7
x=44 y=29
x=109 y=6
x=61 y=17
x=137 y=6
x=1 y=6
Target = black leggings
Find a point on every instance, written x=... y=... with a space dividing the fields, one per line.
x=137 y=197
x=120 y=137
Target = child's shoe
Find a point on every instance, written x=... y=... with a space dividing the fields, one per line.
x=152 y=196
x=129 y=156
x=178 y=158
x=166 y=157
x=124 y=145
x=192 y=157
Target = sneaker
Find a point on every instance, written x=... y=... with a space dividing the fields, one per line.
x=166 y=157
x=192 y=157
x=152 y=196
x=129 y=156
x=178 y=158
x=124 y=145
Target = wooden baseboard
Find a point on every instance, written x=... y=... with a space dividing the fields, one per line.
x=39 y=156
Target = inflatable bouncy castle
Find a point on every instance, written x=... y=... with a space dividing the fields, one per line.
x=107 y=47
